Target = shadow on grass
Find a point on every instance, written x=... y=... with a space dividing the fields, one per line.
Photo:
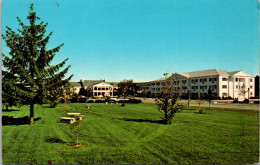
x=144 y=120
x=10 y=110
x=54 y=140
x=10 y=120
x=200 y=112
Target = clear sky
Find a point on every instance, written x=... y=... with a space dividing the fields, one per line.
x=142 y=39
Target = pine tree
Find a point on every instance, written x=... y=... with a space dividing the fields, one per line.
x=29 y=62
x=10 y=95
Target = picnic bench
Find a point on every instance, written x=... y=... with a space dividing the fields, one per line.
x=71 y=120
x=76 y=115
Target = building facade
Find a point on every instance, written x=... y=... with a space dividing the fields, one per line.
x=237 y=85
x=94 y=88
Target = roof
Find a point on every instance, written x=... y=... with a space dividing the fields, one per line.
x=233 y=72
x=202 y=73
x=88 y=83
x=160 y=79
x=142 y=83
x=74 y=84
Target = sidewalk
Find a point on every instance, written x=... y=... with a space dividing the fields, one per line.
x=220 y=105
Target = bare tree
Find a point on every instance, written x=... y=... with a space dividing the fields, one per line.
x=200 y=101
x=168 y=102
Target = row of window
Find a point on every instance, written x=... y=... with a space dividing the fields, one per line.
x=238 y=87
x=225 y=94
x=240 y=79
x=97 y=88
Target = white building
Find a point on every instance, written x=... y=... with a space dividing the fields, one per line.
x=94 y=87
x=223 y=83
x=102 y=89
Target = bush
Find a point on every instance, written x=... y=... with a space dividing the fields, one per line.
x=246 y=101
x=235 y=101
x=99 y=101
x=256 y=102
x=90 y=101
x=135 y=101
x=82 y=100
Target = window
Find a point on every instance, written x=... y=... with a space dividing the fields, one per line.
x=203 y=80
x=213 y=79
x=224 y=94
x=224 y=79
x=194 y=80
x=95 y=88
x=203 y=87
x=236 y=86
x=251 y=80
x=158 y=83
x=213 y=86
x=183 y=81
x=184 y=88
x=98 y=88
x=194 y=87
x=251 y=86
x=251 y=93
x=153 y=83
x=103 y=88
x=236 y=79
x=224 y=86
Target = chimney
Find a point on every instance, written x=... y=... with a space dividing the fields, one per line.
x=103 y=79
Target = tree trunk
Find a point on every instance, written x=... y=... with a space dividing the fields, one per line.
x=31 y=113
x=188 y=97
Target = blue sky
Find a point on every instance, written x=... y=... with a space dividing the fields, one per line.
x=142 y=39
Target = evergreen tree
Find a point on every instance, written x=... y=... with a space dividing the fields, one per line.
x=10 y=95
x=29 y=62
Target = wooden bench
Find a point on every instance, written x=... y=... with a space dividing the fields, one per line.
x=81 y=117
x=71 y=120
x=73 y=114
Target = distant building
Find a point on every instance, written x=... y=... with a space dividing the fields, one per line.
x=257 y=86
x=94 y=87
x=224 y=83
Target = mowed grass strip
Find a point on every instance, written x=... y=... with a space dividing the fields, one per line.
x=133 y=135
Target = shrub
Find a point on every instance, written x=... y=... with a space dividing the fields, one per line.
x=235 y=101
x=134 y=100
x=90 y=101
x=256 y=102
x=82 y=100
x=99 y=101
x=246 y=101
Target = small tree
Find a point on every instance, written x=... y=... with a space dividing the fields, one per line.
x=200 y=101
x=76 y=128
x=243 y=91
x=210 y=96
x=125 y=88
x=168 y=103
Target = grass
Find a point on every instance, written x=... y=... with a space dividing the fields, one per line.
x=133 y=135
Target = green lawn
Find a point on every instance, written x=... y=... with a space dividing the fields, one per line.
x=132 y=135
